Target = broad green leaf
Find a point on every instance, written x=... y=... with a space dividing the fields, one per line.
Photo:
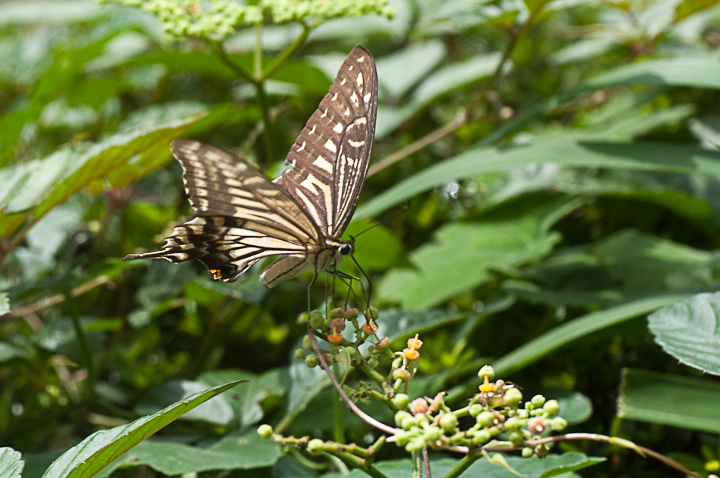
x=455 y=76
x=686 y=8
x=402 y=70
x=694 y=200
x=529 y=467
x=55 y=11
x=689 y=330
x=216 y=412
x=11 y=463
x=575 y=329
x=683 y=402
x=103 y=447
x=677 y=72
x=692 y=72
x=237 y=451
x=621 y=267
x=376 y=249
x=655 y=157
x=502 y=242
x=574 y=406
x=51 y=181
x=305 y=384
x=247 y=401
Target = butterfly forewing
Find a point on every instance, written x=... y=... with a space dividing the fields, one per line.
x=330 y=157
x=243 y=217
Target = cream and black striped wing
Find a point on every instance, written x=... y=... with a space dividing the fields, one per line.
x=329 y=160
x=241 y=216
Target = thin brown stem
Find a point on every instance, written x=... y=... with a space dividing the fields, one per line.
x=364 y=416
x=55 y=299
x=578 y=436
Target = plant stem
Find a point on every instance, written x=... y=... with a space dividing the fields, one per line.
x=364 y=416
x=339 y=424
x=82 y=341
x=463 y=465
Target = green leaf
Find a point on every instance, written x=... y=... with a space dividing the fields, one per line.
x=237 y=451
x=689 y=72
x=46 y=183
x=621 y=267
x=376 y=249
x=503 y=241
x=60 y=11
x=575 y=329
x=216 y=412
x=103 y=447
x=673 y=400
x=402 y=70
x=533 y=467
x=689 y=330
x=655 y=157
x=11 y=463
x=248 y=400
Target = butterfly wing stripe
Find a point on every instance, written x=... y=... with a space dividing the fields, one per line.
x=210 y=172
x=322 y=180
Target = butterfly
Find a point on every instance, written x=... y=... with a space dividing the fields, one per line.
x=242 y=217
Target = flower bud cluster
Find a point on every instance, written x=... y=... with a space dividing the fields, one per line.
x=218 y=19
x=498 y=410
x=343 y=349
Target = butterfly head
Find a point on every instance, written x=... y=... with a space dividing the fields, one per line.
x=346 y=249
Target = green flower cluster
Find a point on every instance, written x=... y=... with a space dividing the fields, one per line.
x=498 y=411
x=218 y=19
x=214 y=19
x=293 y=10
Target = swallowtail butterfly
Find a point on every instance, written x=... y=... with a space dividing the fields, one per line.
x=242 y=217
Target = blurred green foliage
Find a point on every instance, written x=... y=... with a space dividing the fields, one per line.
x=560 y=159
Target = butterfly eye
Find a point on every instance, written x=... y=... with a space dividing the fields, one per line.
x=346 y=249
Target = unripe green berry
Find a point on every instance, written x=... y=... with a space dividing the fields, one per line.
x=432 y=433
x=486 y=371
x=448 y=422
x=403 y=437
x=475 y=409
x=516 y=437
x=316 y=320
x=481 y=437
x=311 y=361
x=527 y=452
x=315 y=446
x=306 y=343
x=542 y=450
x=265 y=431
x=400 y=417
x=485 y=419
x=558 y=424
x=415 y=444
x=537 y=401
x=300 y=354
x=512 y=396
x=336 y=313
x=513 y=423
x=401 y=401
x=552 y=407
x=372 y=313
x=421 y=420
